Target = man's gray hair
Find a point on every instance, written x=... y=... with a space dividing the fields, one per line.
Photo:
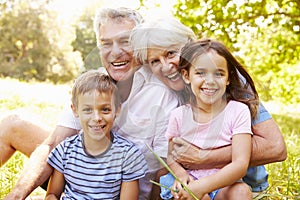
x=117 y=14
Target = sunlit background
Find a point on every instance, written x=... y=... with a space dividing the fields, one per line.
x=44 y=44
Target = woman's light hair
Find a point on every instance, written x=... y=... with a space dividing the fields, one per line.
x=160 y=33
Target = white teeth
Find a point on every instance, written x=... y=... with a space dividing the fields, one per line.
x=209 y=90
x=172 y=75
x=119 y=63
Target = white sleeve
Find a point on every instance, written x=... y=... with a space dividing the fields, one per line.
x=67 y=119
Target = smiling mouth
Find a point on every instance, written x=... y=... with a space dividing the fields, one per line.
x=119 y=64
x=209 y=92
x=173 y=76
x=99 y=127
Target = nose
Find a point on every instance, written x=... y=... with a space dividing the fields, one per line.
x=116 y=49
x=166 y=64
x=209 y=78
x=97 y=116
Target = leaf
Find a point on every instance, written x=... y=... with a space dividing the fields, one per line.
x=170 y=170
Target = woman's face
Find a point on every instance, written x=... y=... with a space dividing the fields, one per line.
x=164 y=65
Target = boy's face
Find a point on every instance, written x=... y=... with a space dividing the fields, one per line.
x=96 y=112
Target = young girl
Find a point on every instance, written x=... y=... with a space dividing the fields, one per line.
x=96 y=163
x=217 y=113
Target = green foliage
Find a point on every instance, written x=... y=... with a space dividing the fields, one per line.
x=85 y=41
x=264 y=33
x=33 y=43
x=285 y=176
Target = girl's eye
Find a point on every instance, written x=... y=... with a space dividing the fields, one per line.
x=218 y=74
x=200 y=73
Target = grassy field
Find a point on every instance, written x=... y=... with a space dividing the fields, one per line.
x=41 y=102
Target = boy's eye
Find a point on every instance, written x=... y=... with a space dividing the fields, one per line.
x=106 y=110
x=87 y=110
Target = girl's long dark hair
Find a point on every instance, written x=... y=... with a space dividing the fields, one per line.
x=241 y=87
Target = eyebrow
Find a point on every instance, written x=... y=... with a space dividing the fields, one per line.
x=119 y=36
x=202 y=68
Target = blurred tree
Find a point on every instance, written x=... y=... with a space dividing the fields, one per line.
x=85 y=41
x=33 y=43
x=265 y=33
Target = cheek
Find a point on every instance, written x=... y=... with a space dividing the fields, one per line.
x=154 y=70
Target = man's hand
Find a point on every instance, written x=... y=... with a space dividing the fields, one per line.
x=188 y=155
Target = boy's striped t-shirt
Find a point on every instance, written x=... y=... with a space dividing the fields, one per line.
x=97 y=177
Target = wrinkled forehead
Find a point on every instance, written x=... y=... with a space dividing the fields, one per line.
x=116 y=29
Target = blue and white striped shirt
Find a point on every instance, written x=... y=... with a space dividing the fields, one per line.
x=97 y=177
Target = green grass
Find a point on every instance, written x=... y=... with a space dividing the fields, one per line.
x=42 y=102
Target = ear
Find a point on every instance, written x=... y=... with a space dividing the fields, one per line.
x=228 y=82
x=74 y=109
x=185 y=76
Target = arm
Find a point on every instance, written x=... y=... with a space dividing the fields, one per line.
x=37 y=172
x=129 y=190
x=241 y=151
x=56 y=186
x=178 y=170
x=268 y=146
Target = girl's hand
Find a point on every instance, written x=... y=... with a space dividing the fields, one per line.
x=195 y=187
x=178 y=187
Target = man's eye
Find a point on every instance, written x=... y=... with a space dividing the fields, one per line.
x=105 y=44
x=124 y=42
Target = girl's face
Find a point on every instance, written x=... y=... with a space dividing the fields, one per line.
x=164 y=65
x=208 y=77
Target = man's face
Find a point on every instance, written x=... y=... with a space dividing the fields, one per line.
x=115 y=51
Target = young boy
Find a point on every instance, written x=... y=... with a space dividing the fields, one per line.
x=95 y=164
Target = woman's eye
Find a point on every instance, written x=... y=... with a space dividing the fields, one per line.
x=154 y=62
x=172 y=54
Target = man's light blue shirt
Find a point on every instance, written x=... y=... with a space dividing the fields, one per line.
x=257 y=177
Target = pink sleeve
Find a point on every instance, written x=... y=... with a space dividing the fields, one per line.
x=242 y=122
x=173 y=125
